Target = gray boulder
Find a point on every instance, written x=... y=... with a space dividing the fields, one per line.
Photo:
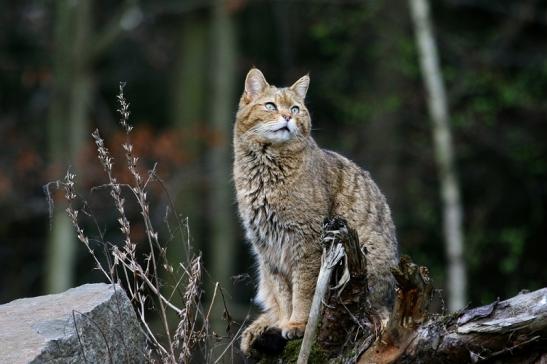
x=93 y=323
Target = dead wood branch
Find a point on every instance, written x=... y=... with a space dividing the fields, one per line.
x=513 y=330
x=331 y=257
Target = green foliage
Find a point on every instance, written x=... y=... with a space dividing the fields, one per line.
x=514 y=239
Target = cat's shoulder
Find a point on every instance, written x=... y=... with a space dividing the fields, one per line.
x=340 y=162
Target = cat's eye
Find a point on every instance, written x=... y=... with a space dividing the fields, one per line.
x=270 y=106
x=295 y=110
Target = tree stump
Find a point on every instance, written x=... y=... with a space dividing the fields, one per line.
x=345 y=311
x=510 y=331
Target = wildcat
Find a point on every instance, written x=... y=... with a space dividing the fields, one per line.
x=286 y=185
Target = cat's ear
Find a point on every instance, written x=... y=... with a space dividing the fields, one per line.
x=300 y=87
x=255 y=83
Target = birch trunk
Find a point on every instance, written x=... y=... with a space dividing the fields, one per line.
x=71 y=95
x=221 y=206
x=76 y=47
x=442 y=140
x=187 y=108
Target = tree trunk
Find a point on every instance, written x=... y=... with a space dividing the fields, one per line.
x=188 y=105
x=67 y=122
x=76 y=46
x=346 y=307
x=379 y=143
x=222 y=243
x=442 y=139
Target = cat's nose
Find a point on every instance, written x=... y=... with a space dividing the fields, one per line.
x=287 y=117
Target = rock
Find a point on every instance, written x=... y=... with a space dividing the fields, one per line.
x=93 y=323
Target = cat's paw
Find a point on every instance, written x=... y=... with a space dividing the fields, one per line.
x=269 y=343
x=259 y=339
x=292 y=329
x=249 y=336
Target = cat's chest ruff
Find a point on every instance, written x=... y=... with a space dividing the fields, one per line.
x=262 y=197
x=264 y=219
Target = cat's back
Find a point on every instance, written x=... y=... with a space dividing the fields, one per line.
x=356 y=196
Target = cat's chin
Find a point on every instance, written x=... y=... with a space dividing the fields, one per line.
x=280 y=136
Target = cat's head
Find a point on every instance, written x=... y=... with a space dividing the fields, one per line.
x=271 y=115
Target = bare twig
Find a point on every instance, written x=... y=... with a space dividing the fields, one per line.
x=331 y=257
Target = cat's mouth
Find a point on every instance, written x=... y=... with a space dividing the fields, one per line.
x=285 y=128
x=279 y=133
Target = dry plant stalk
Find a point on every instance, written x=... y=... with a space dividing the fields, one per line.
x=142 y=281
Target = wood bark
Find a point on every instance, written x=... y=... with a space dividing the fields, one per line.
x=514 y=330
x=345 y=309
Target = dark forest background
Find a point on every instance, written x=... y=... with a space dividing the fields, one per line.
x=184 y=63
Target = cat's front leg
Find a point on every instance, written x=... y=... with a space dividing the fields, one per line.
x=275 y=298
x=303 y=287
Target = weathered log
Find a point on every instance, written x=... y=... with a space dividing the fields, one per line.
x=510 y=330
x=515 y=329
